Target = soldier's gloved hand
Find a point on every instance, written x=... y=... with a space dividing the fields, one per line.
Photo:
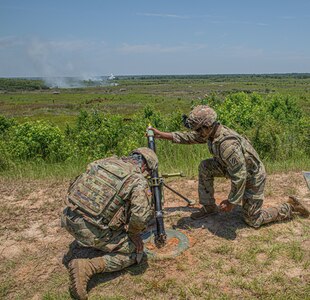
x=226 y=206
x=137 y=240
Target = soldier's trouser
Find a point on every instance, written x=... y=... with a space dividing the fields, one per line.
x=120 y=251
x=208 y=169
x=253 y=198
x=253 y=213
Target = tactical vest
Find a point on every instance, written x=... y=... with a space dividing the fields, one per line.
x=96 y=192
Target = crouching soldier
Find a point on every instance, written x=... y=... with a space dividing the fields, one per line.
x=233 y=158
x=108 y=207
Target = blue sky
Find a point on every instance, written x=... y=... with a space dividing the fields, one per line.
x=135 y=37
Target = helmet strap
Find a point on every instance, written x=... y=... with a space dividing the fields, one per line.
x=185 y=121
x=214 y=127
x=138 y=158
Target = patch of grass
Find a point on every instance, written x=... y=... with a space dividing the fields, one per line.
x=56 y=296
x=224 y=249
x=37 y=170
x=5 y=287
x=295 y=252
x=8 y=265
x=248 y=254
x=278 y=277
x=160 y=285
x=115 y=297
x=302 y=163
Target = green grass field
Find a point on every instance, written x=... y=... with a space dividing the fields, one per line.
x=164 y=94
x=131 y=95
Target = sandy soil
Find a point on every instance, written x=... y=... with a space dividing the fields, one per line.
x=33 y=246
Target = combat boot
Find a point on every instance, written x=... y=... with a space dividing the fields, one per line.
x=80 y=272
x=204 y=211
x=298 y=206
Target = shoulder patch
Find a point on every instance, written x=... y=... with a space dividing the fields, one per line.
x=234 y=161
x=231 y=154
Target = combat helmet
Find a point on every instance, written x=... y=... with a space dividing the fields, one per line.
x=201 y=115
x=149 y=155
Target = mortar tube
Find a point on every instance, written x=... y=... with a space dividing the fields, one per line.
x=160 y=235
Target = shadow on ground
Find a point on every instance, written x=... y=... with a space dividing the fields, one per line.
x=224 y=225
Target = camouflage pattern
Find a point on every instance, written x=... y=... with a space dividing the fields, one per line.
x=236 y=159
x=201 y=115
x=149 y=155
x=96 y=191
x=110 y=235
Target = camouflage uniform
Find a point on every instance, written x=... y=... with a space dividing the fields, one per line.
x=234 y=158
x=109 y=231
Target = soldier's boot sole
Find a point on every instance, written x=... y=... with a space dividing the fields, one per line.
x=299 y=206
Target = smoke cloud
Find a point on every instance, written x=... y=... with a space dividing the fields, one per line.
x=56 y=61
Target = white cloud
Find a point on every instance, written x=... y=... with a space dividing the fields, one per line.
x=36 y=46
x=58 y=57
x=241 y=51
x=163 y=15
x=250 y=23
x=287 y=17
x=61 y=57
x=157 y=48
x=10 y=41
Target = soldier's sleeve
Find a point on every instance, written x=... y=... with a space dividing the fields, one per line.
x=233 y=157
x=191 y=137
x=140 y=208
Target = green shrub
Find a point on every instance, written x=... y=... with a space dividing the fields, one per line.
x=15 y=84
x=275 y=125
x=96 y=135
x=5 y=124
x=278 y=129
x=37 y=140
x=5 y=160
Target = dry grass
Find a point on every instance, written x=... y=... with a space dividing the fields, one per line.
x=226 y=260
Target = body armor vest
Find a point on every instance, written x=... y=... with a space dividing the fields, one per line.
x=96 y=192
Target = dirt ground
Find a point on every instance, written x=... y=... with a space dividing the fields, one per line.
x=35 y=250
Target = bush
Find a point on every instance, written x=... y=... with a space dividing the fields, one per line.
x=15 y=84
x=37 y=140
x=96 y=135
x=275 y=125
x=5 y=160
x=5 y=124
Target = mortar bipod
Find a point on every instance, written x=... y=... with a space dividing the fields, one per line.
x=189 y=201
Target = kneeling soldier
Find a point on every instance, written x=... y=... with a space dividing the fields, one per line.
x=108 y=207
x=234 y=158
